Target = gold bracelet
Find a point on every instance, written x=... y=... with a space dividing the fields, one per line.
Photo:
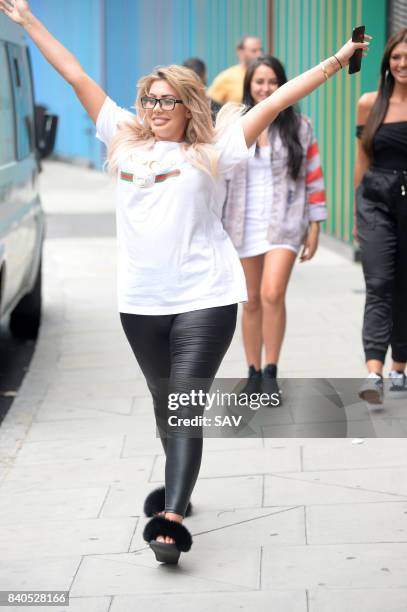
x=321 y=65
x=334 y=63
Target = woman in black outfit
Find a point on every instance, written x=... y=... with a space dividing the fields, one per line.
x=381 y=207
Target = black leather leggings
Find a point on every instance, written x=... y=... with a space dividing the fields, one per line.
x=382 y=232
x=173 y=351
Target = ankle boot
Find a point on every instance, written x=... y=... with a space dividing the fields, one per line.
x=253 y=382
x=270 y=384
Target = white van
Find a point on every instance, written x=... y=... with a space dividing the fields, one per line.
x=22 y=225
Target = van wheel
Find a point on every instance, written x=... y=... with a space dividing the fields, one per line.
x=26 y=317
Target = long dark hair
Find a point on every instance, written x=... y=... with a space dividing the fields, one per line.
x=386 y=86
x=288 y=121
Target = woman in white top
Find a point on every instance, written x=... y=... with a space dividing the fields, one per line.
x=179 y=277
x=275 y=203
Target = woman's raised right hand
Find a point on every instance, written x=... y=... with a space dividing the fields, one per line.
x=18 y=10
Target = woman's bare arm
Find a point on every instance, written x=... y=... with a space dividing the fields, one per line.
x=90 y=94
x=264 y=113
x=362 y=161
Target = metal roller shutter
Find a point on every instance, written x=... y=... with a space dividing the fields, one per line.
x=397 y=15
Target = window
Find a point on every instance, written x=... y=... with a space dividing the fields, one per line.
x=7 y=133
x=23 y=100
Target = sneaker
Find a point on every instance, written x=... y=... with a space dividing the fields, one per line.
x=270 y=384
x=253 y=383
x=371 y=389
x=398 y=381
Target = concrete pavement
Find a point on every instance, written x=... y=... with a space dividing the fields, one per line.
x=289 y=525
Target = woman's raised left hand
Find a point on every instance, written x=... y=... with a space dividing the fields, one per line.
x=345 y=53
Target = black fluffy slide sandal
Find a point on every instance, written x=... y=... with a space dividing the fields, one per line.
x=155 y=503
x=167 y=553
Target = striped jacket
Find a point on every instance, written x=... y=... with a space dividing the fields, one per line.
x=295 y=203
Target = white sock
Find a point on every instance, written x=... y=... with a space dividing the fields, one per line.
x=395 y=374
x=373 y=375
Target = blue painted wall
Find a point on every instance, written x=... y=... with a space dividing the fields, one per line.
x=77 y=25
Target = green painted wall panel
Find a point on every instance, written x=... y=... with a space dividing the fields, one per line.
x=306 y=31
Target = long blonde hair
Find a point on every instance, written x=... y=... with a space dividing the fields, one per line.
x=200 y=134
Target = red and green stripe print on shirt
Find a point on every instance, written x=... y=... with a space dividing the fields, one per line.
x=163 y=177
x=126 y=176
x=159 y=178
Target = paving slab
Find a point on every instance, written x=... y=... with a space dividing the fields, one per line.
x=33 y=506
x=355 y=600
x=229 y=463
x=298 y=489
x=362 y=522
x=249 y=527
x=89 y=428
x=95 y=449
x=80 y=473
x=86 y=604
x=346 y=566
x=68 y=538
x=83 y=409
x=38 y=573
x=373 y=453
x=390 y=482
x=209 y=495
x=216 y=569
x=262 y=601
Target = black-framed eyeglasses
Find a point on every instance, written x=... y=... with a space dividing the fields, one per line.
x=166 y=104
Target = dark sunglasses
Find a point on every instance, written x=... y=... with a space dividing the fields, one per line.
x=167 y=104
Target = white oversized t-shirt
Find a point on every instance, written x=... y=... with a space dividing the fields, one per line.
x=173 y=254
